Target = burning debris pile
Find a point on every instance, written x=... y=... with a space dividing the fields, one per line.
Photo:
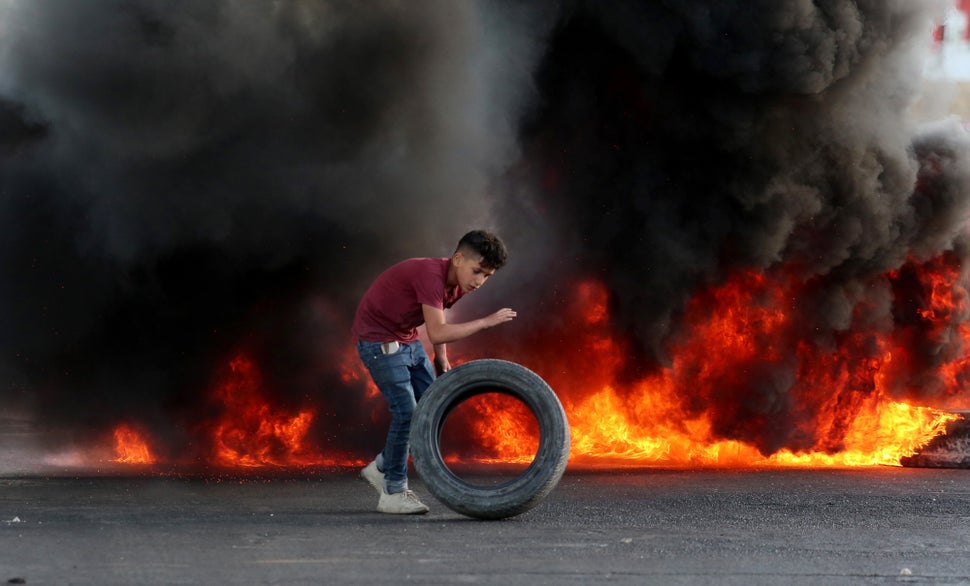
x=730 y=244
x=948 y=450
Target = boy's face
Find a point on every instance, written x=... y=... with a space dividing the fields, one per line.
x=469 y=271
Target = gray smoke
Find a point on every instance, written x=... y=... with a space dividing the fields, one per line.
x=681 y=142
x=183 y=180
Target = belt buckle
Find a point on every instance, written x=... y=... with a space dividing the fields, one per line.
x=390 y=347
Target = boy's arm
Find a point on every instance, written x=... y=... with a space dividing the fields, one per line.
x=441 y=364
x=442 y=332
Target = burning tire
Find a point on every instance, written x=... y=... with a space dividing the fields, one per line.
x=460 y=384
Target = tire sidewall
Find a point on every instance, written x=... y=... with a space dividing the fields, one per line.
x=460 y=384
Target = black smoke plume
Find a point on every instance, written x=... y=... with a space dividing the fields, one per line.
x=680 y=142
x=183 y=181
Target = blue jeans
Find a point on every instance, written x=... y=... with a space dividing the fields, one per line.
x=402 y=378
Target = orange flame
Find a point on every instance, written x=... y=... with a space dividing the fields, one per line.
x=503 y=429
x=742 y=388
x=836 y=406
x=251 y=432
x=131 y=447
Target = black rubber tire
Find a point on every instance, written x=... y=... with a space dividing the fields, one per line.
x=458 y=385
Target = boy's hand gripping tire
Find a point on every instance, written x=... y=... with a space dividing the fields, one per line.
x=456 y=386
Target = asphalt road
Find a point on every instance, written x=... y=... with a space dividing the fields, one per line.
x=872 y=525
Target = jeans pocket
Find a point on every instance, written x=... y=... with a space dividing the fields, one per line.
x=388 y=369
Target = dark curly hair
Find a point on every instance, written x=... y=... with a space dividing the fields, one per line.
x=486 y=245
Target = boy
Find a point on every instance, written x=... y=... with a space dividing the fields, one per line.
x=410 y=293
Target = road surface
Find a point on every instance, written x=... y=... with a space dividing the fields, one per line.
x=645 y=526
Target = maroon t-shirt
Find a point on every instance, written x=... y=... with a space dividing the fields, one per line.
x=391 y=308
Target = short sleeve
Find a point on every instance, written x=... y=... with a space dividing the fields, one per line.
x=429 y=288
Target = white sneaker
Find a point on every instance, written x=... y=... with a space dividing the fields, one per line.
x=401 y=503
x=372 y=475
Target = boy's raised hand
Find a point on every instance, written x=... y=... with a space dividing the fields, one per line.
x=501 y=316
